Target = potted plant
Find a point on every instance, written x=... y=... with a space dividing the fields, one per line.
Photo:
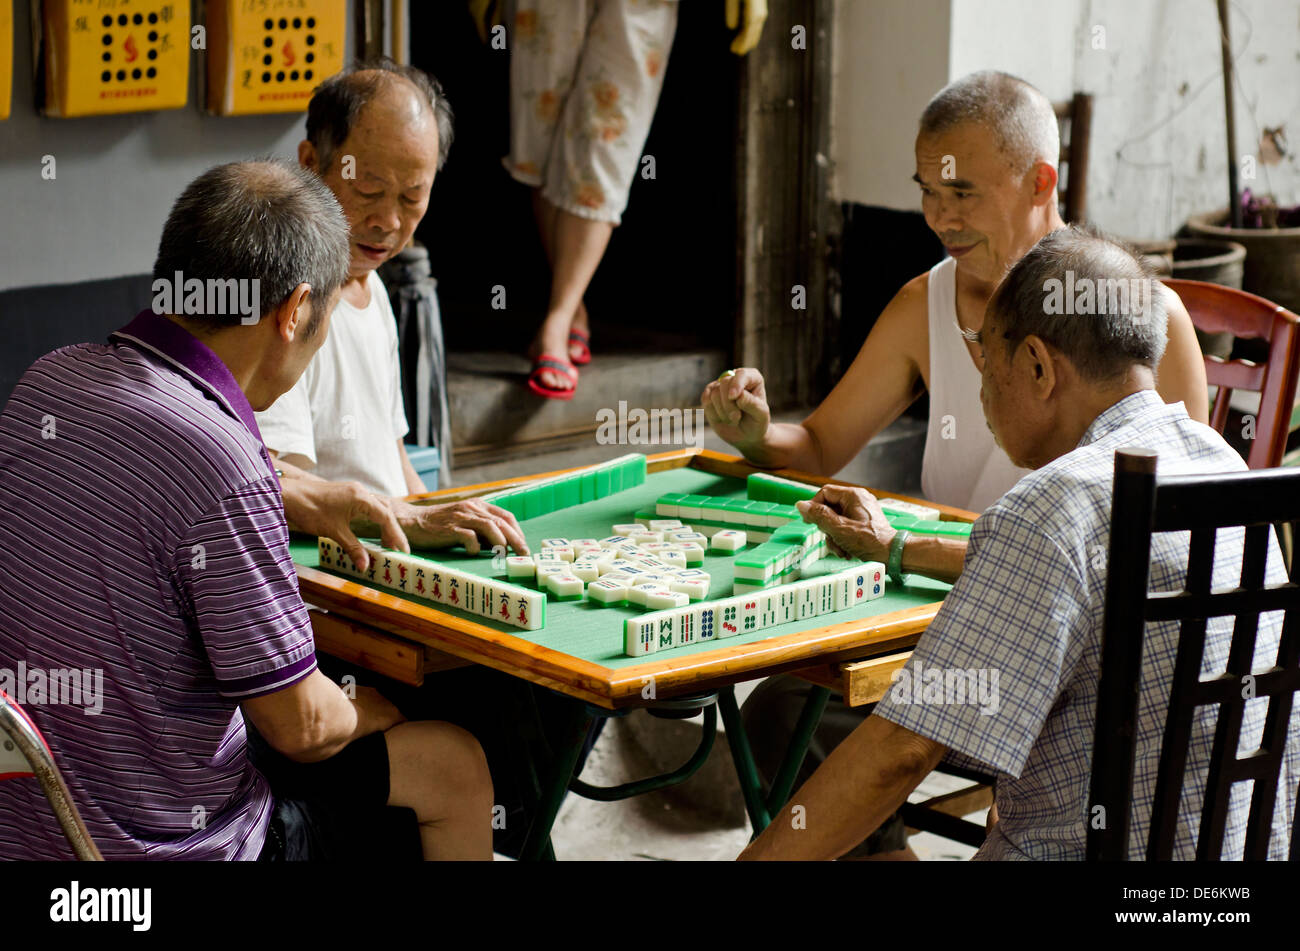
x=1270 y=235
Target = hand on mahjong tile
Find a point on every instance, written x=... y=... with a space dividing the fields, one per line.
x=472 y=523
x=736 y=407
x=341 y=511
x=851 y=519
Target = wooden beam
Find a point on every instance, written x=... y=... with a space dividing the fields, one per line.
x=860 y=682
x=370 y=648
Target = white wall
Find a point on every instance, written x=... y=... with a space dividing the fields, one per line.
x=116 y=177
x=890 y=57
x=1158 y=149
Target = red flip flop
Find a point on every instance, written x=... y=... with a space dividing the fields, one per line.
x=583 y=340
x=553 y=363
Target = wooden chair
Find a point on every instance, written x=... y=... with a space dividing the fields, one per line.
x=24 y=752
x=1075 y=117
x=1142 y=506
x=1218 y=309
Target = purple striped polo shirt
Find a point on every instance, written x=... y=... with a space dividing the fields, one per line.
x=142 y=543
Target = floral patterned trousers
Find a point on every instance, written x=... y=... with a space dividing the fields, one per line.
x=585 y=77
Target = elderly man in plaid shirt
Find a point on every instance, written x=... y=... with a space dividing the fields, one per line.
x=1063 y=387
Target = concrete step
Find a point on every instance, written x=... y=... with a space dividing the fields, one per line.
x=493 y=412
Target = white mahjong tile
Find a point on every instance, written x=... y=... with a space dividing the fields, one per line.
x=685 y=512
x=529 y=609
x=748 y=616
x=487 y=598
x=808 y=601
x=728 y=617
x=844 y=588
x=666 y=509
x=585 y=543
x=521 y=566
x=787 y=606
x=826 y=594
x=564 y=584
x=617 y=577
x=588 y=571
x=666 y=599
x=686 y=627
x=706 y=618
x=639 y=636
x=621 y=564
x=923 y=512
x=455 y=589
x=606 y=592
x=767 y=609
x=637 y=593
x=647 y=538
x=664 y=524
x=546 y=571
x=628 y=528
x=613 y=541
x=694 y=589
x=728 y=540
x=555 y=543
x=470 y=586
x=674 y=559
x=558 y=554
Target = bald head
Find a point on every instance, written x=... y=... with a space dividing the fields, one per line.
x=380 y=92
x=1020 y=117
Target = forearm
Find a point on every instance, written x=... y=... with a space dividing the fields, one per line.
x=785 y=446
x=860 y=785
x=934 y=556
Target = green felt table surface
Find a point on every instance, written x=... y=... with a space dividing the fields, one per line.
x=594 y=633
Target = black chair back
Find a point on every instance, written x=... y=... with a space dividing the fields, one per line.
x=1200 y=505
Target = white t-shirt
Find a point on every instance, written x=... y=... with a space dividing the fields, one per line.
x=345 y=413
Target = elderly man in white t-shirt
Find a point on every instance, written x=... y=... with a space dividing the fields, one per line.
x=377 y=136
x=986 y=155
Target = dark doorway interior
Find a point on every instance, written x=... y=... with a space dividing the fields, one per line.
x=668 y=280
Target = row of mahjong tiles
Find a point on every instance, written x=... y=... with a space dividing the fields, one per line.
x=595 y=633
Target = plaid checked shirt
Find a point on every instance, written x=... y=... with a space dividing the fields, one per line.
x=1027 y=610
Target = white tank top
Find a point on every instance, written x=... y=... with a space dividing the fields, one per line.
x=963 y=466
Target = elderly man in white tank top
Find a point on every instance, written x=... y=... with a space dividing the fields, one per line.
x=986 y=156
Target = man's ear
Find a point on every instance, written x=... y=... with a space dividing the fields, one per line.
x=291 y=317
x=1040 y=363
x=307 y=156
x=1045 y=179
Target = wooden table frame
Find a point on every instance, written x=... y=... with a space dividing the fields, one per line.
x=617 y=688
x=424 y=638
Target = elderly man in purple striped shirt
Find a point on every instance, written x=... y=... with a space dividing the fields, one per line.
x=145 y=539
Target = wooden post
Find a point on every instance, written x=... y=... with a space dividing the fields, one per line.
x=783 y=206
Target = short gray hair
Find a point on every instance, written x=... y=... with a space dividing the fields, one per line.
x=1047 y=294
x=267 y=220
x=337 y=103
x=1021 y=118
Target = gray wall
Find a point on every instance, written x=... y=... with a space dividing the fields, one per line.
x=116 y=177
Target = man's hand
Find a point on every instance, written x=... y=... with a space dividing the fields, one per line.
x=754 y=17
x=318 y=507
x=736 y=408
x=471 y=523
x=375 y=712
x=851 y=518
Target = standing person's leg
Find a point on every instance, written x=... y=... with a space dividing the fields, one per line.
x=546 y=40
x=603 y=128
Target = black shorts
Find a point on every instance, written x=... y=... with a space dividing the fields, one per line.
x=336 y=809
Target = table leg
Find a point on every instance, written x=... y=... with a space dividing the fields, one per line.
x=751 y=787
x=811 y=716
x=538 y=843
